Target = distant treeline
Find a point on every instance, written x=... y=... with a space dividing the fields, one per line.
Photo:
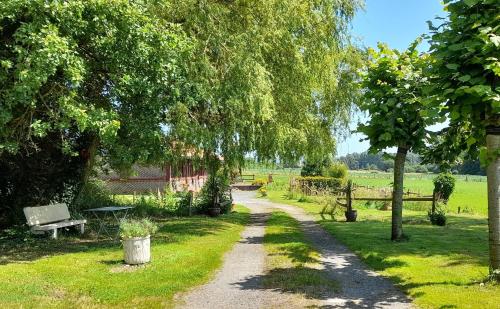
x=368 y=161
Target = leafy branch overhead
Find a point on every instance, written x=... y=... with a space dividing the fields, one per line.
x=393 y=85
x=465 y=75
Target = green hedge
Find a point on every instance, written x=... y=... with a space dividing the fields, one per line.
x=320 y=182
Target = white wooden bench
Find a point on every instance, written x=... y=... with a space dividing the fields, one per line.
x=43 y=219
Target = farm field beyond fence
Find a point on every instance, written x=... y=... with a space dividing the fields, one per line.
x=469 y=195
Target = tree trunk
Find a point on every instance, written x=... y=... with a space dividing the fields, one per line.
x=397 y=195
x=90 y=155
x=493 y=173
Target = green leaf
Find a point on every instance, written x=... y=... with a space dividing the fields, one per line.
x=495 y=39
x=385 y=137
x=464 y=78
x=452 y=66
x=471 y=3
x=454 y=115
x=471 y=141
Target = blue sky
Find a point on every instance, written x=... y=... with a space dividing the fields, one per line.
x=396 y=22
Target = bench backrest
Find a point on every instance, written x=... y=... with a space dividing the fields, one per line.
x=46 y=214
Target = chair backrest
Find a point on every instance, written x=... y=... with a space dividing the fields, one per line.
x=46 y=214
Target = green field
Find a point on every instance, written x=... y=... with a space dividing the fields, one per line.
x=439 y=267
x=469 y=195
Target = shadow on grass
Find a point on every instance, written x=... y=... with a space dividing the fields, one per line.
x=462 y=240
x=296 y=252
x=310 y=282
x=17 y=245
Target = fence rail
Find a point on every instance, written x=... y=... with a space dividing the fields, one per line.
x=347 y=194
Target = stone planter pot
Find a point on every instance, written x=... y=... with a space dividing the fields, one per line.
x=351 y=216
x=214 y=211
x=137 y=250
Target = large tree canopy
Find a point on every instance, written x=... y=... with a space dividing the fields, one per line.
x=99 y=67
x=129 y=79
x=274 y=77
x=465 y=75
x=76 y=78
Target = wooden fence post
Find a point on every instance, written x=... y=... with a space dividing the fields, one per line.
x=349 y=196
x=433 y=202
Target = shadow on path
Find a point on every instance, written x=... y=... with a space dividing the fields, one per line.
x=359 y=287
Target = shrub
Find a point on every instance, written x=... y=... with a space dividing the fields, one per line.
x=215 y=190
x=137 y=228
x=259 y=182
x=336 y=170
x=444 y=184
x=438 y=217
x=150 y=206
x=182 y=201
x=93 y=194
x=304 y=199
x=320 y=182
x=421 y=169
x=314 y=168
x=263 y=191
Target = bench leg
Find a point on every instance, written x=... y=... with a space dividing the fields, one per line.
x=54 y=234
x=82 y=228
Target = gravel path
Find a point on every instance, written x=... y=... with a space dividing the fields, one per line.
x=238 y=284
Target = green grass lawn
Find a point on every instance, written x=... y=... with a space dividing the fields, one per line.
x=292 y=264
x=439 y=267
x=74 y=272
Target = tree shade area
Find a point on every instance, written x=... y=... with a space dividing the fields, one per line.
x=123 y=81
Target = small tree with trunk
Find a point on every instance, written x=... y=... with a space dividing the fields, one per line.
x=393 y=97
x=466 y=77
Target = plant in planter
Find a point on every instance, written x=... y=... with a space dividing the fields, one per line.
x=215 y=196
x=437 y=216
x=136 y=236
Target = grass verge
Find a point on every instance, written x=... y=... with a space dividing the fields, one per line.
x=292 y=264
x=74 y=272
x=439 y=267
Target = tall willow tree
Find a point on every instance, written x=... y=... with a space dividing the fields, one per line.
x=274 y=78
x=466 y=72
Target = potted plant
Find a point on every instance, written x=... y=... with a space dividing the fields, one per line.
x=214 y=211
x=351 y=215
x=136 y=236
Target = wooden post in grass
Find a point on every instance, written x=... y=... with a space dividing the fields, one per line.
x=348 y=195
x=433 y=202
